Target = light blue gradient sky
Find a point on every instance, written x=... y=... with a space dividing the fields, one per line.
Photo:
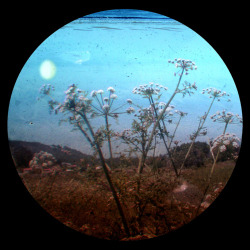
x=122 y=53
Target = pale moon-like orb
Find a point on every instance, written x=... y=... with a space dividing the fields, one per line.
x=47 y=69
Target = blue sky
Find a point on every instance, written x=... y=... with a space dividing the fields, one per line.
x=96 y=54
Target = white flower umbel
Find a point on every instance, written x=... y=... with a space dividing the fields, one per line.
x=111 y=89
x=104 y=106
x=222 y=148
x=161 y=104
x=149 y=89
x=129 y=101
x=215 y=93
x=226 y=117
x=225 y=140
x=78 y=111
x=113 y=96
x=169 y=108
x=183 y=64
x=93 y=93
x=100 y=91
x=221 y=143
x=148 y=92
x=130 y=110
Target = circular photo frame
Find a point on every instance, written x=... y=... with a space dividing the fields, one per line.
x=125 y=125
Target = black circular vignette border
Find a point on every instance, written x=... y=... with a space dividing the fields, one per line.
x=222 y=222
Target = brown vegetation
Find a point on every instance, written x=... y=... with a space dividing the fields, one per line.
x=84 y=202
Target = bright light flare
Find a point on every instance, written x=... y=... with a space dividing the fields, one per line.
x=47 y=69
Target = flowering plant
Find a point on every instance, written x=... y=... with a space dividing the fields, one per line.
x=103 y=106
x=80 y=110
x=137 y=136
x=215 y=93
x=222 y=141
x=226 y=117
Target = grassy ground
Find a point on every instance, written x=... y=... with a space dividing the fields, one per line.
x=222 y=173
x=84 y=202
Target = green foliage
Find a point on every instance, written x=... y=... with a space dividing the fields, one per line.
x=198 y=156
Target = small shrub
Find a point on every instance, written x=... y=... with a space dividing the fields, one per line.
x=198 y=156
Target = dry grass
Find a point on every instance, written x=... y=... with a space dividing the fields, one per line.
x=198 y=176
x=84 y=201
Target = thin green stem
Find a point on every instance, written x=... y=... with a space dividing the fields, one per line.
x=118 y=108
x=131 y=142
x=106 y=172
x=109 y=98
x=143 y=157
x=162 y=137
x=201 y=124
x=109 y=140
x=210 y=174
x=96 y=108
x=98 y=101
x=102 y=99
x=175 y=132
x=85 y=134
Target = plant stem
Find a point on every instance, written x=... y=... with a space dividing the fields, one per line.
x=175 y=132
x=109 y=141
x=210 y=174
x=96 y=108
x=106 y=172
x=119 y=108
x=98 y=102
x=85 y=133
x=143 y=157
x=195 y=136
x=162 y=137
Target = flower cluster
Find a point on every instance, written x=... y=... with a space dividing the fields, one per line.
x=42 y=160
x=104 y=103
x=168 y=111
x=184 y=64
x=188 y=88
x=130 y=110
x=223 y=141
x=137 y=136
x=46 y=89
x=226 y=117
x=149 y=89
x=75 y=101
x=145 y=115
x=215 y=93
x=129 y=101
x=111 y=89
